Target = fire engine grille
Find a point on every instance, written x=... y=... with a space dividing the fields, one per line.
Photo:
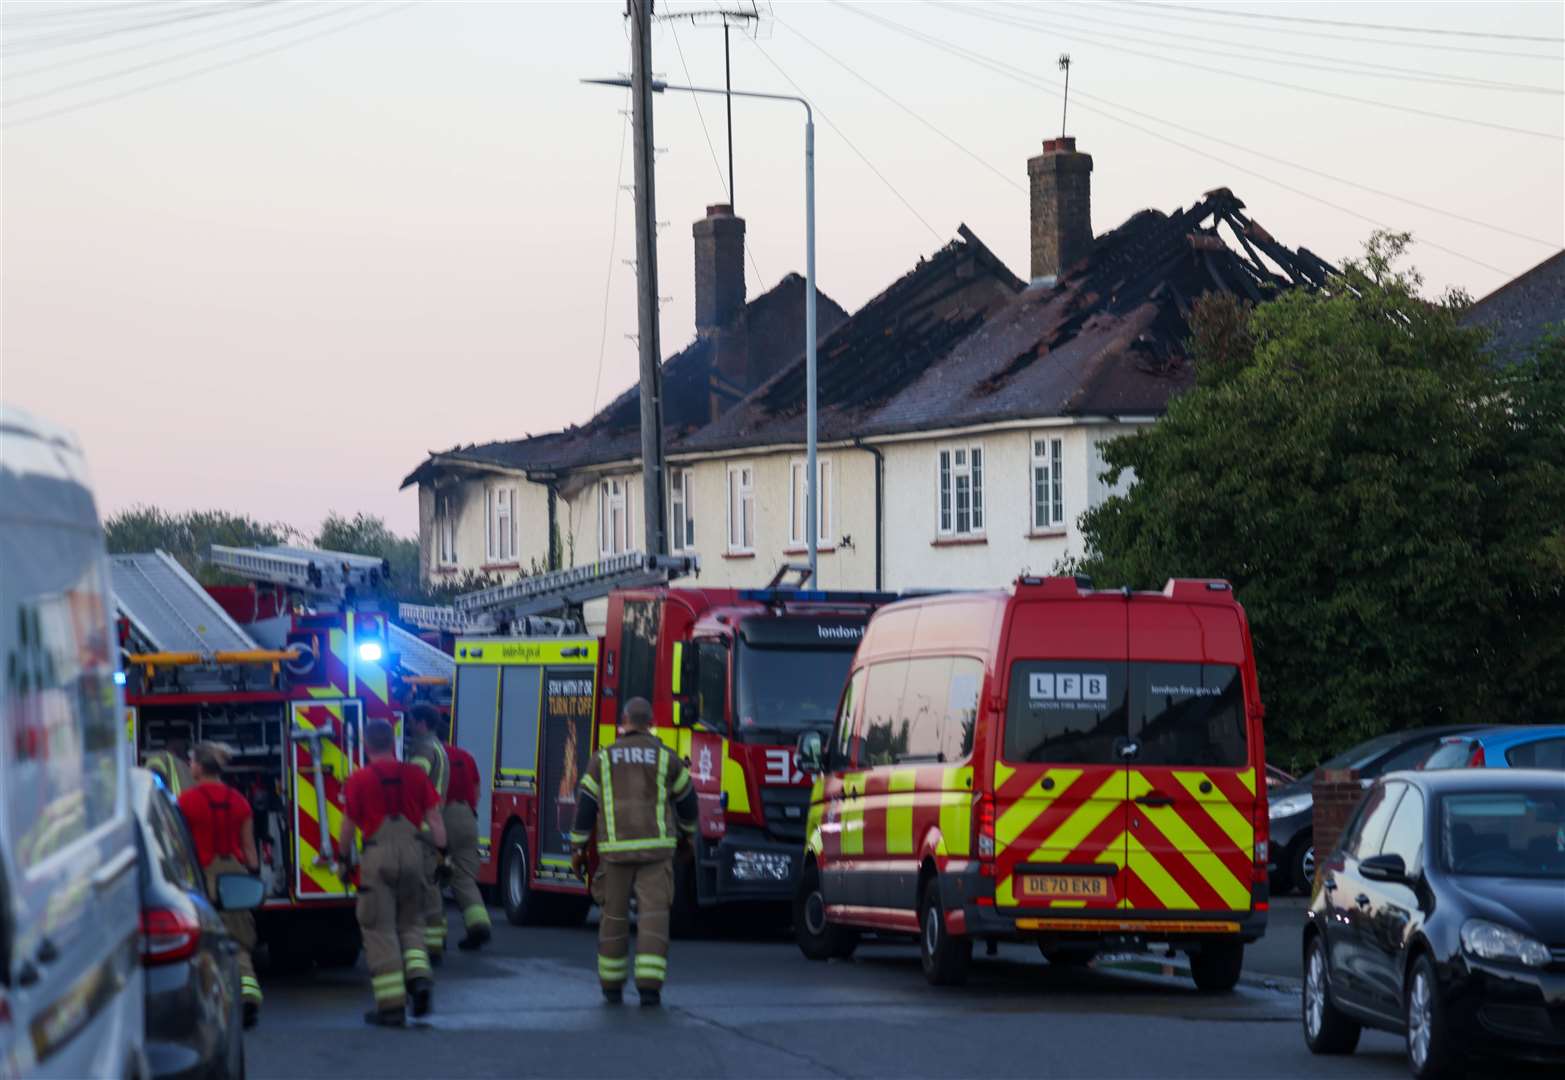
x=786 y=811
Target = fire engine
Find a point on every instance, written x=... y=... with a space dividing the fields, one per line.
x=734 y=677
x=286 y=669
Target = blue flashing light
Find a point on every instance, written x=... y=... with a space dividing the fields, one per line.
x=119 y=678
x=370 y=652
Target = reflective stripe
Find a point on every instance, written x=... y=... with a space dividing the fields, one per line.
x=251 y=988
x=589 y=785
x=475 y=915
x=607 y=772
x=660 y=806
x=681 y=782
x=580 y=837
x=688 y=828
x=654 y=966
x=638 y=845
x=611 y=969
x=416 y=962
x=434 y=936
x=388 y=988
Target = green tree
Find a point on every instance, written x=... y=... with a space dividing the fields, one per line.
x=187 y=535
x=1389 y=505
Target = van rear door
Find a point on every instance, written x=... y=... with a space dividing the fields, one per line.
x=1192 y=783
x=1059 y=778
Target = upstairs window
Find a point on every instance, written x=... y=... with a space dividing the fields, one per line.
x=798 y=502
x=681 y=517
x=445 y=531
x=501 y=545
x=614 y=532
x=741 y=509
x=960 y=491
x=1048 y=496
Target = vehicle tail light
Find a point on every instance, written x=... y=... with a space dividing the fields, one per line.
x=1263 y=835
x=986 y=826
x=1476 y=761
x=167 y=937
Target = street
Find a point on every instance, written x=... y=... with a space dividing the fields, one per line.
x=750 y=1005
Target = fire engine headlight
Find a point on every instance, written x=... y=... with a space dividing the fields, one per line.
x=370 y=652
x=762 y=866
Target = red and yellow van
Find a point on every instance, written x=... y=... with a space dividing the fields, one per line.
x=1080 y=767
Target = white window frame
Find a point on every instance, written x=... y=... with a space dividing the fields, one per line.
x=798 y=504
x=500 y=524
x=445 y=530
x=614 y=495
x=955 y=463
x=681 y=510
x=1046 y=484
x=741 y=509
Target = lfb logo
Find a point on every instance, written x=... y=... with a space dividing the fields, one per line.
x=782 y=767
x=1068 y=686
x=704 y=764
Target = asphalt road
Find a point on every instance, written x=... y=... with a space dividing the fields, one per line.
x=751 y=1006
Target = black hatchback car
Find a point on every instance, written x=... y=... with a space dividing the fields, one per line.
x=1441 y=915
x=194 y=1019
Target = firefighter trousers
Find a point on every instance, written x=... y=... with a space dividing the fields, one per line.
x=240 y=924
x=433 y=903
x=653 y=885
x=462 y=856
x=390 y=911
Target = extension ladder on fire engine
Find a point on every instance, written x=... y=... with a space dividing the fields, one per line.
x=334 y=574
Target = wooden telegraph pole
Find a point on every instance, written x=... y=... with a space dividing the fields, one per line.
x=647 y=279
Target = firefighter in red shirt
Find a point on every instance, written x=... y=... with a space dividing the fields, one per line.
x=461 y=815
x=221 y=825
x=388 y=801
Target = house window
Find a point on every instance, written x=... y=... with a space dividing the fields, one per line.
x=1048 y=499
x=445 y=531
x=798 y=502
x=614 y=532
x=741 y=509
x=960 y=491
x=681 y=517
x=501 y=545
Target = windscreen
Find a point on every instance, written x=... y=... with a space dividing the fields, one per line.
x=782 y=691
x=1517 y=833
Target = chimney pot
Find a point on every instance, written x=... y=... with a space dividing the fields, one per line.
x=1061 y=195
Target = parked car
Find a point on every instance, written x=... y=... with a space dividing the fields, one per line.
x=71 y=998
x=1441 y=916
x=194 y=1009
x=1540 y=746
x=1276 y=778
x=1292 y=808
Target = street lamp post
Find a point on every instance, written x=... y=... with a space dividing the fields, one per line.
x=812 y=477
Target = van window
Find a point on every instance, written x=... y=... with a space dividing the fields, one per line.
x=1065 y=712
x=843 y=752
x=638 y=650
x=884 y=737
x=1188 y=714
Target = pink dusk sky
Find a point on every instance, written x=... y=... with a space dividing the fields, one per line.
x=264 y=259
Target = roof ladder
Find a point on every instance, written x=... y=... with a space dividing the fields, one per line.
x=334 y=574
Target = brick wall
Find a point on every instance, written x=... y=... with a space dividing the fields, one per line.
x=1061 y=186
x=1336 y=793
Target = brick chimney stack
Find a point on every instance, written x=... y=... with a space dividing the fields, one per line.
x=1061 y=207
x=719 y=267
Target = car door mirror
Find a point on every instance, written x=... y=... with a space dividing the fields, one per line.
x=1384 y=868
x=811 y=752
x=239 y=892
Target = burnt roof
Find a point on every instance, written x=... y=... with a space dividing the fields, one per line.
x=1517 y=312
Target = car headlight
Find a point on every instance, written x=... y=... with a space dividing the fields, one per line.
x=1492 y=941
x=1289 y=805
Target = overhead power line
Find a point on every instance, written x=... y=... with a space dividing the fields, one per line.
x=380 y=12
x=851 y=146
x=1180 y=13
x=1067 y=24
x=89 y=34
x=1234 y=13
x=911 y=112
x=1317 y=91
x=242 y=39
x=1028 y=79
x=619 y=183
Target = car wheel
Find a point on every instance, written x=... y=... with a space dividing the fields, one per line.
x=946 y=957
x=1326 y=1029
x=1429 y=1050
x=818 y=938
x=516 y=879
x=1215 y=967
x=1067 y=956
x=1301 y=863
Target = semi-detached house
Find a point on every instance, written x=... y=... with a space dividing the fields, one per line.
x=962 y=411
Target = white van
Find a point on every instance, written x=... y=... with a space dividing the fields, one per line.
x=71 y=991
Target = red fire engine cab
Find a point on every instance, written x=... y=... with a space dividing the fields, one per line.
x=286 y=670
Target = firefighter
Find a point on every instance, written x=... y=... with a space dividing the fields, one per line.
x=635 y=783
x=224 y=831
x=172 y=763
x=461 y=815
x=430 y=755
x=388 y=801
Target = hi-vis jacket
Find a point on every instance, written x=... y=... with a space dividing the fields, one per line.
x=633 y=782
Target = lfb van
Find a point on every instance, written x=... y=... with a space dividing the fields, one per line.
x=1077 y=767
x=71 y=982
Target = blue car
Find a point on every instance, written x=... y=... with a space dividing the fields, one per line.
x=1539 y=746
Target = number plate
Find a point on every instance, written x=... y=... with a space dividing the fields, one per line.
x=1065 y=887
